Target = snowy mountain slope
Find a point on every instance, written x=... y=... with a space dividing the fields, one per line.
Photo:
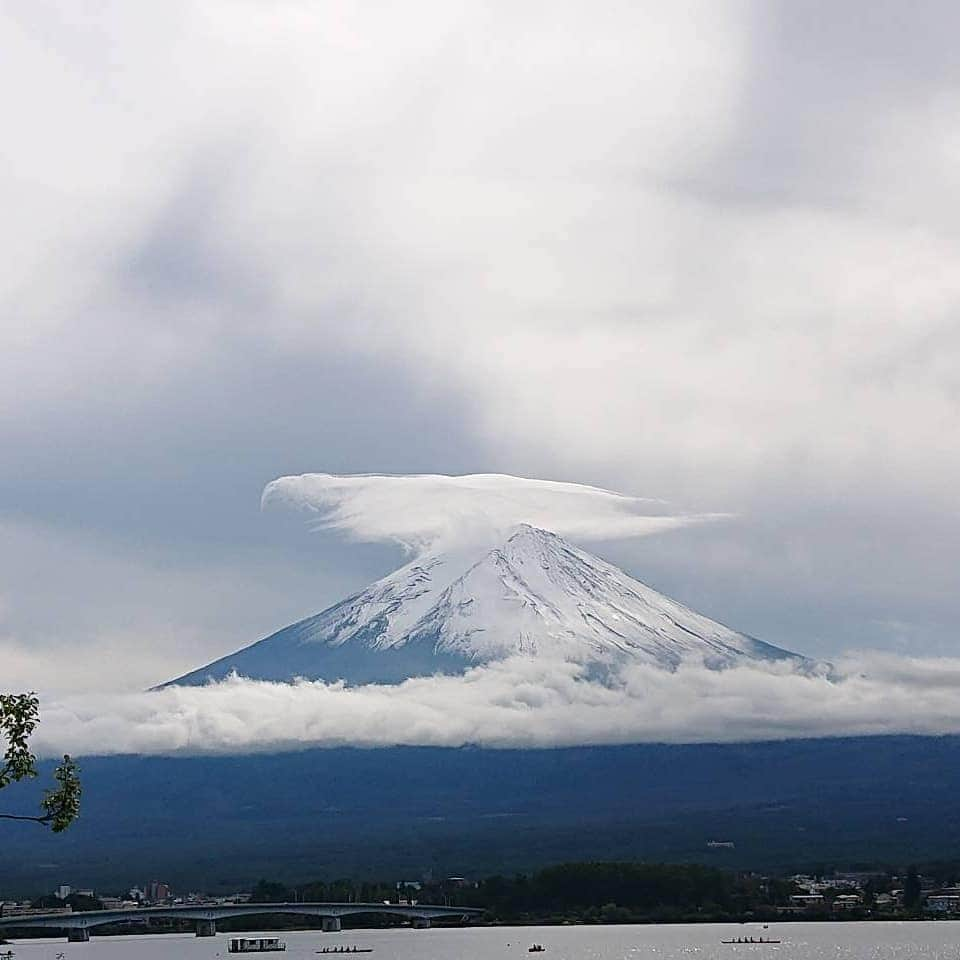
x=533 y=595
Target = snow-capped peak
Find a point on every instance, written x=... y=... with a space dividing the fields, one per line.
x=533 y=594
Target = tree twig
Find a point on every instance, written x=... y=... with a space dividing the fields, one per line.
x=14 y=816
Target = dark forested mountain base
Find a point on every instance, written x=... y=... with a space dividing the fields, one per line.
x=223 y=822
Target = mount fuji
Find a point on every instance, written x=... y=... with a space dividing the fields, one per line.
x=533 y=595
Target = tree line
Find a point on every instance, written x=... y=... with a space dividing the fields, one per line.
x=602 y=891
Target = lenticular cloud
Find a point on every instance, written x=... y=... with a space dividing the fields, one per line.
x=430 y=511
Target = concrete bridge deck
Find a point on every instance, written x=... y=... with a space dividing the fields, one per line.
x=78 y=925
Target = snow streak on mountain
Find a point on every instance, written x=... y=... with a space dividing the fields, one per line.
x=533 y=595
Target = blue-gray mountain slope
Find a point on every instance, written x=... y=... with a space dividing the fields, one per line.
x=533 y=595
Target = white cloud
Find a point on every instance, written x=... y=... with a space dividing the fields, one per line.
x=519 y=703
x=434 y=511
x=528 y=213
x=702 y=250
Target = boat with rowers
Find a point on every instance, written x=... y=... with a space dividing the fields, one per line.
x=750 y=940
x=345 y=950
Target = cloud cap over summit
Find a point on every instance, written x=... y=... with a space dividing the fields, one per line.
x=424 y=511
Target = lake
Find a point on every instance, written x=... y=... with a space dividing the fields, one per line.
x=801 y=941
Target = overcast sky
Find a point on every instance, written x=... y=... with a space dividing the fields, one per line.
x=702 y=252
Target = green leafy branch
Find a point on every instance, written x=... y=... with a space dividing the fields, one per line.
x=60 y=806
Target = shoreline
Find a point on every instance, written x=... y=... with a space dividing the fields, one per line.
x=184 y=928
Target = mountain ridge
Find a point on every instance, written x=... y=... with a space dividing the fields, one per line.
x=224 y=821
x=533 y=594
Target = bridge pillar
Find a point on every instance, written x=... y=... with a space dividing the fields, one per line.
x=331 y=924
x=77 y=935
x=206 y=928
x=420 y=923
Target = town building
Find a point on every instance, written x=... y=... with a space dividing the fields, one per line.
x=847 y=901
x=946 y=900
x=157 y=891
x=807 y=901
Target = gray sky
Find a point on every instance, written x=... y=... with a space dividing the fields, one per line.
x=701 y=252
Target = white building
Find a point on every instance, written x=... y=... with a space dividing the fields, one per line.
x=943 y=903
x=806 y=901
x=847 y=901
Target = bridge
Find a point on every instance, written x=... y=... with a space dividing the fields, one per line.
x=78 y=925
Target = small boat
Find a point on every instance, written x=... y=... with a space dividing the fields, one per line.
x=345 y=950
x=255 y=945
x=537 y=948
x=755 y=941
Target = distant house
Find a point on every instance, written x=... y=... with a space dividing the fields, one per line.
x=942 y=903
x=847 y=901
x=807 y=901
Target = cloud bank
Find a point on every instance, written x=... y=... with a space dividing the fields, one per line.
x=429 y=510
x=518 y=703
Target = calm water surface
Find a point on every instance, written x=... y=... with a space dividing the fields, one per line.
x=802 y=941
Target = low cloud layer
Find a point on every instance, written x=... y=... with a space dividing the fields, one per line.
x=518 y=703
x=427 y=511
